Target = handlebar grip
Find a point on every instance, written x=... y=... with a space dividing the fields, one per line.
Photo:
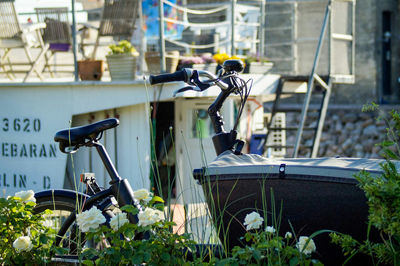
x=170 y=77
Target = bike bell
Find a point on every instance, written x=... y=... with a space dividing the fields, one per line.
x=233 y=65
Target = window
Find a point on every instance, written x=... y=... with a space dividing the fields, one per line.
x=201 y=124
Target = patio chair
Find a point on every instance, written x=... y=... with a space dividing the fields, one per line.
x=57 y=32
x=117 y=20
x=13 y=35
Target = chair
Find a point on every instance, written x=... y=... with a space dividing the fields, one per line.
x=57 y=32
x=117 y=20
x=13 y=35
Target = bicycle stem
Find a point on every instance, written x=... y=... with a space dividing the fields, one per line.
x=222 y=140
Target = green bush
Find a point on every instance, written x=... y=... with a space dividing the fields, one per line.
x=383 y=195
x=25 y=238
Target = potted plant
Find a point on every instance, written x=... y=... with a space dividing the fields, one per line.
x=257 y=65
x=90 y=69
x=203 y=61
x=220 y=58
x=122 y=61
x=153 y=61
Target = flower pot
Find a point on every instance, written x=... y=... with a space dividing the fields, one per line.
x=258 y=67
x=122 y=66
x=211 y=67
x=90 y=69
x=153 y=61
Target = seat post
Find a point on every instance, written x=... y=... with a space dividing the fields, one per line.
x=107 y=162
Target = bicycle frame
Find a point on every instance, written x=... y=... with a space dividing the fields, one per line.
x=119 y=188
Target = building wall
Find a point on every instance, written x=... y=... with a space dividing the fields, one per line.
x=365 y=87
x=308 y=22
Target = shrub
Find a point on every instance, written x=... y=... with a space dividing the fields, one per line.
x=25 y=238
x=383 y=196
x=123 y=47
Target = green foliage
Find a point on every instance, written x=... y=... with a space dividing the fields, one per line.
x=383 y=195
x=17 y=219
x=160 y=245
x=123 y=47
x=119 y=244
x=267 y=248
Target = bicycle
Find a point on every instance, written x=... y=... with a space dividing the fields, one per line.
x=67 y=203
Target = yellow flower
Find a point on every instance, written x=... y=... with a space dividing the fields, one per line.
x=220 y=58
x=123 y=47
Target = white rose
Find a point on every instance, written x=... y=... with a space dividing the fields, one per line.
x=150 y=216
x=118 y=220
x=288 y=235
x=26 y=196
x=142 y=194
x=90 y=219
x=270 y=229
x=301 y=245
x=49 y=223
x=23 y=243
x=253 y=221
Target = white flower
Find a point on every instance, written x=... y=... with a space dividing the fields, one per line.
x=23 y=243
x=288 y=235
x=49 y=223
x=90 y=219
x=301 y=245
x=118 y=220
x=270 y=229
x=142 y=194
x=150 y=216
x=253 y=221
x=26 y=196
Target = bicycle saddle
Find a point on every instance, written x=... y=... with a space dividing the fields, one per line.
x=77 y=136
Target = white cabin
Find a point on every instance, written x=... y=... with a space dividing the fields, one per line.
x=31 y=113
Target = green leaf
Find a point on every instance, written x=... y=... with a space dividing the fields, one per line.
x=257 y=254
x=294 y=261
x=165 y=257
x=137 y=259
x=88 y=262
x=43 y=239
x=390 y=153
x=157 y=199
x=130 y=209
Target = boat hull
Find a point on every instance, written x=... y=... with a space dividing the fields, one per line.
x=305 y=201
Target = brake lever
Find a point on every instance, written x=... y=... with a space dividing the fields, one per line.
x=195 y=84
x=187 y=88
x=195 y=80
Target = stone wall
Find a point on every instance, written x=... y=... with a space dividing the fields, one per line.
x=348 y=132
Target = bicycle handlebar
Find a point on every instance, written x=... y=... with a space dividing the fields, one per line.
x=180 y=75
x=229 y=82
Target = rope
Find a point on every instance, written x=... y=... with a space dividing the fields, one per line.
x=197 y=25
x=250 y=24
x=196 y=12
x=194 y=46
